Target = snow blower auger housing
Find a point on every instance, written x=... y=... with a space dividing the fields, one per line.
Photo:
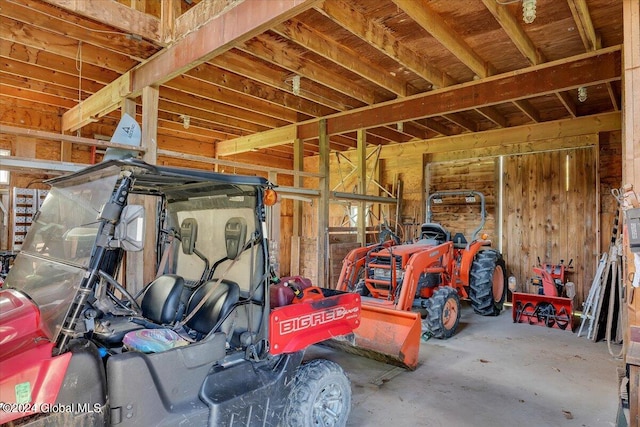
x=199 y=345
x=415 y=288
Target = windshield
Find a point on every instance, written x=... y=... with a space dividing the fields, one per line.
x=57 y=248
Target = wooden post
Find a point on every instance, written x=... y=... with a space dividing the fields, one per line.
x=273 y=221
x=141 y=266
x=631 y=122
x=323 y=208
x=298 y=165
x=362 y=184
x=631 y=175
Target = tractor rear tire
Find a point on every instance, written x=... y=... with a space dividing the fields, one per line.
x=443 y=313
x=321 y=396
x=488 y=283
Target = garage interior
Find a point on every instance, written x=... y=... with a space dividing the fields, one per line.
x=359 y=110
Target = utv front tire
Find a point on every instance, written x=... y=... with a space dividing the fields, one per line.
x=321 y=396
x=443 y=313
x=488 y=283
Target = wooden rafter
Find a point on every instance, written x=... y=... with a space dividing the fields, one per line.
x=384 y=40
x=584 y=24
x=590 y=68
x=568 y=103
x=330 y=49
x=514 y=30
x=240 y=23
x=51 y=136
x=499 y=138
x=421 y=12
x=116 y=15
x=269 y=48
x=528 y=109
x=461 y=121
x=492 y=114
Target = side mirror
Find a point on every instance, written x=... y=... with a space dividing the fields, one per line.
x=189 y=235
x=129 y=232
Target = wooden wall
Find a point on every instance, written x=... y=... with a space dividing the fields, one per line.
x=455 y=214
x=550 y=212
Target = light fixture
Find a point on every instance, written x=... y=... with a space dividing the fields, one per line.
x=528 y=11
x=400 y=126
x=186 y=121
x=582 y=94
x=296 y=85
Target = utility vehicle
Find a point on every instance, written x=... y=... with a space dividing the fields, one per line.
x=199 y=345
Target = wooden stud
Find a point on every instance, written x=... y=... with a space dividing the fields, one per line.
x=323 y=205
x=362 y=186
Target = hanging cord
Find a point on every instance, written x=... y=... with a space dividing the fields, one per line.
x=79 y=68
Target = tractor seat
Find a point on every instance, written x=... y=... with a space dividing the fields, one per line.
x=435 y=232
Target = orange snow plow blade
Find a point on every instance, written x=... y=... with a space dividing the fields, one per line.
x=385 y=334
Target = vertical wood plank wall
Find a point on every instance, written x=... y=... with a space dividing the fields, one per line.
x=551 y=215
x=455 y=214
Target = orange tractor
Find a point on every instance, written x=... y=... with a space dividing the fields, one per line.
x=414 y=288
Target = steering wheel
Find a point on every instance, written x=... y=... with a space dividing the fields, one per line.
x=385 y=233
x=134 y=306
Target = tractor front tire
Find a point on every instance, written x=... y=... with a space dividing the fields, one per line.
x=488 y=283
x=443 y=313
x=321 y=396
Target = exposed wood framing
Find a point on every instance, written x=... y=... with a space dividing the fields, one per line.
x=239 y=165
x=199 y=15
x=568 y=103
x=362 y=186
x=590 y=68
x=515 y=32
x=115 y=14
x=420 y=11
x=29 y=165
x=51 y=136
x=330 y=49
x=193 y=49
x=384 y=40
x=582 y=17
x=170 y=12
x=528 y=109
x=503 y=138
x=631 y=125
x=491 y=114
x=323 y=205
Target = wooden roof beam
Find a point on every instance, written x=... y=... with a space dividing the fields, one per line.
x=269 y=49
x=502 y=138
x=328 y=48
x=116 y=15
x=461 y=121
x=421 y=12
x=244 y=21
x=377 y=35
x=584 y=24
x=515 y=32
x=492 y=114
x=526 y=107
x=568 y=103
x=568 y=73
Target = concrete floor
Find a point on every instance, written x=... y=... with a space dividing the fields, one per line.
x=492 y=373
